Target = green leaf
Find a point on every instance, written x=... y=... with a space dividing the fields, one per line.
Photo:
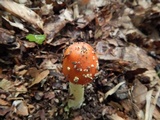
x=36 y=38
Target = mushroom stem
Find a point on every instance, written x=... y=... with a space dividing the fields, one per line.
x=77 y=91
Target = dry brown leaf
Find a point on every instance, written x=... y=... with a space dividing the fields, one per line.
x=153 y=77
x=48 y=64
x=21 y=107
x=31 y=108
x=84 y=21
x=113 y=90
x=148 y=103
x=139 y=93
x=130 y=53
x=145 y=3
x=139 y=56
x=23 y=12
x=4 y=110
x=78 y=118
x=6 y=84
x=40 y=77
x=16 y=24
x=115 y=117
x=46 y=9
x=127 y=105
x=51 y=28
x=20 y=89
x=105 y=52
x=6 y=37
x=156 y=114
x=20 y=70
x=151 y=101
x=28 y=44
x=49 y=95
x=88 y=6
x=33 y=72
x=3 y=102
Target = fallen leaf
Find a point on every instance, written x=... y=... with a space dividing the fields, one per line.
x=115 y=117
x=6 y=84
x=84 y=21
x=3 y=102
x=148 y=115
x=48 y=64
x=6 y=37
x=49 y=95
x=4 y=110
x=20 y=89
x=46 y=9
x=33 y=72
x=78 y=118
x=139 y=93
x=127 y=105
x=28 y=44
x=40 y=77
x=21 y=107
x=16 y=24
x=153 y=77
x=113 y=90
x=156 y=114
x=51 y=28
x=151 y=101
x=36 y=38
x=23 y=12
x=130 y=53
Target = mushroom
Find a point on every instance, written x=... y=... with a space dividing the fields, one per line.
x=80 y=64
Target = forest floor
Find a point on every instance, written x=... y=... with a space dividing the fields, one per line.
x=125 y=35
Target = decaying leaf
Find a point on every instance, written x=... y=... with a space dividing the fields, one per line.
x=130 y=53
x=115 y=117
x=6 y=37
x=4 y=110
x=156 y=114
x=20 y=70
x=16 y=24
x=23 y=12
x=153 y=77
x=139 y=91
x=33 y=72
x=113 y=90
x=148 y=102
x=49 y=64
x=84 y=21
x=46 y=9
x=20 y=89
x=40 y=77
x=20 y=107
x=53 y=27
x=3 y=102
x=6 y=84
x=127 y=105
x=28 y=44
x=151 y=101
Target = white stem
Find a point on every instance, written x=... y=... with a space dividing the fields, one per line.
x=77 y=95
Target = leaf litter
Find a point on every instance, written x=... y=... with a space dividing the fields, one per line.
x=125 y=35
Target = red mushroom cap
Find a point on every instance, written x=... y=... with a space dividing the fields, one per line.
x=80 y=63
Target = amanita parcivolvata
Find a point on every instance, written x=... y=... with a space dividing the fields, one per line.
x=80 y=64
